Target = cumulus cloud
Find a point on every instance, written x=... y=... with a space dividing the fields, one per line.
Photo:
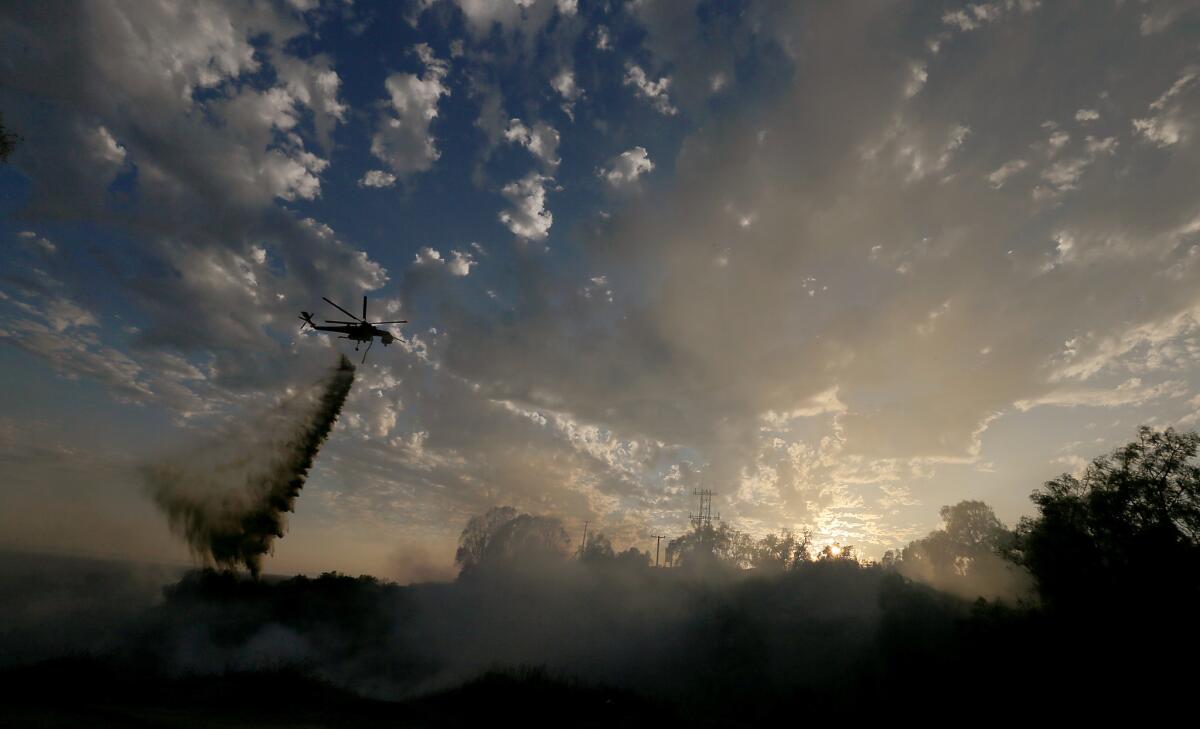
x=377 y=178
x=626 y=167
x=428 y=257
x=1169 y=124
x=603 y=39
x=403 y=138
x=541 y=140
x=978 y=15
x=1000 y=175
x=654 y=91
x=527 y=216
x=526 y=16
x=564 y=83
x=107 y=148
x=459 y=264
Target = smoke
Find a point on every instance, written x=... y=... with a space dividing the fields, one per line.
x=228 y=499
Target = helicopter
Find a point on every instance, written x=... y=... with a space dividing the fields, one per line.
x=360 y=330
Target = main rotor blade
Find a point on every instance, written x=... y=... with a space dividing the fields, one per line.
x=340 y=308
x=364 y=308
x=398 y=321
x=338 y=321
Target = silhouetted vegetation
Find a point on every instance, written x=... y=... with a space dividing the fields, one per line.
x=503 y=535
x=1126 y=533
x=968 y=556
x=742 y=631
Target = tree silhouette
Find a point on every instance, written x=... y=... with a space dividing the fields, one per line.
x=502 y=536
x=966 y=556
x=478 y=535
x=598 y=547
x=1126 y=530
x=837 y=553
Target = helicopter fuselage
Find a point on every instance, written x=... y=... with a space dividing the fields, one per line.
x=359 y=332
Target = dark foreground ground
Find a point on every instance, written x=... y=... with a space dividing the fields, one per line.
x=94 y=644
x=289 y=698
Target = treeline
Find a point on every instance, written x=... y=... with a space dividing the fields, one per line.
x=1128 y=524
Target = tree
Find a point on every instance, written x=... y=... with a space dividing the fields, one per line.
x=965 y=556
x=709 y=546
x=633 y=557
x=837 y=553
x=1127 y=529
x=598 y=547
x=479 y=533
x=783 y=551
x=504 y=536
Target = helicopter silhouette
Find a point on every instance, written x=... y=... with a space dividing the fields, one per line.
x=360 y=330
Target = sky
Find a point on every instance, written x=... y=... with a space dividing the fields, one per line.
x=841 y=263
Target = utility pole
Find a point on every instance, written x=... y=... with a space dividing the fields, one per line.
x=657 y=543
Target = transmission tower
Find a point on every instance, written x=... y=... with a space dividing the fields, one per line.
x=702 y=520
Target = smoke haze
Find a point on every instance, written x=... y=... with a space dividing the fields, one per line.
x=228 y=498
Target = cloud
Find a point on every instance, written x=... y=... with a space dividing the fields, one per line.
x=978 y=15
x=541 y=141
x=564 y=83
x=377 y=178
x=459 y=264
x=1000 y=175
x=603 y=39
x=1169 y=125
x=527 y=216
x=654 y=91
x=107 y=148
x=1130 y=392
x=403 y=139
x=626 y=167
x=528 y=16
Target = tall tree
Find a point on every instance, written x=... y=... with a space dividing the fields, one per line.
x=478 y=535
x=1127 y=529
x=965 y=556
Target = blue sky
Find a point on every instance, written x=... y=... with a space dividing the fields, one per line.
x=842 y=263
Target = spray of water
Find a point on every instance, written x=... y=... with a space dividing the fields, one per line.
x=228 y=498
